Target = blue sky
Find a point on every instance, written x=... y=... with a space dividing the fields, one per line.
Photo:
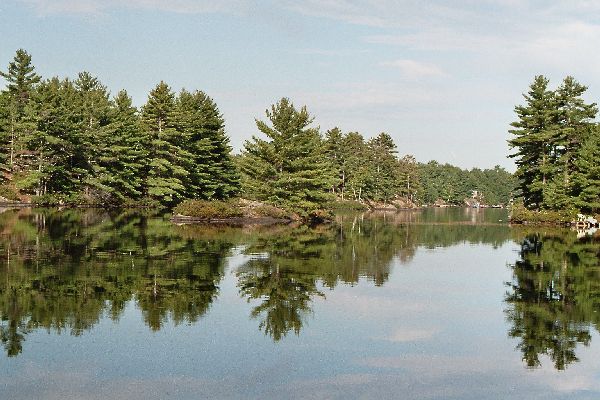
x=441 y=77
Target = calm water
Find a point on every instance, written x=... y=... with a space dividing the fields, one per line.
x=438 y=304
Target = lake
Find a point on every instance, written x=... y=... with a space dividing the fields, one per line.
x=430 y=304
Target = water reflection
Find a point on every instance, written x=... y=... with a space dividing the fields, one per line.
x=64 y=271
x=554 y=297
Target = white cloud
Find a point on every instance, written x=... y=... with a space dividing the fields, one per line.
x=414 y=69
x=353 y=12
x=403 y=335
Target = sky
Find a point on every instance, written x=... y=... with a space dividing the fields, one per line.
x=441 y=77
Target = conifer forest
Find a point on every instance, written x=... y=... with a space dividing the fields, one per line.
x=71 y=141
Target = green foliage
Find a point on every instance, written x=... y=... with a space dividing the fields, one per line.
x=267 y=210
x=289 y=169
x=27 y=181
x=204 y=209
x=453 y=185
x=21 y=77
x=121 y=155
x=555 y=141
x=212 y=172
x=61 y=138
x=554 y=296
x=168 y=165
x=519 y=214
x=9 y=193
x=21 y=81
x=72 y=199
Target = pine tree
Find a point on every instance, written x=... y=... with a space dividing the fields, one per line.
x=212 y=172
x=408 y=177
x=586 y=178
x=359 y=171
x=168 y=166
x=55 y=139
x=334 y=152
x=93 y=108
x=550 y=132
x=533 y=132
x=289 y=168
x=121 y=158
x=21 y=81
x=574 y=120
x=383 y=157
x=5 y=134
x=21 y=78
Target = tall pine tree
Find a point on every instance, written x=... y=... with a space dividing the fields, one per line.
x=212 y=174
x=58 y=163
x=121 y=157
x=288 y=169
x=533 y=132
x=21 y=80
x=385 y=164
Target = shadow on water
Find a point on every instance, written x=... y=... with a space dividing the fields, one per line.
x=554 y=296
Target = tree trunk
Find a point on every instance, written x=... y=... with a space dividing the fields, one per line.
x=343 y=183
x=544 y=173
x=40 y=161
x=12 y=142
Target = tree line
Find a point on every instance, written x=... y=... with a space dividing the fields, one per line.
x=298 y=167
x=69 y=141
x=557 y=144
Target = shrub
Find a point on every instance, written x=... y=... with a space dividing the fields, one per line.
x=267 y=210
x=9 y=193
x=347 y=205
x=46 y=200
x=204 y=209
x=52 y=199
x=520 y=215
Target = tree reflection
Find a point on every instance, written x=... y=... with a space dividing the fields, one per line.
x=64 y=271
x=285 y=294
x=291 y=266
x=554 y=297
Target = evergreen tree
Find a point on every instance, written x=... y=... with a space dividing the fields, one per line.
x=334 y=152
x=212 y=172
x=533 y=132
x=121 y=156
x=56 y=141
x=550 y=134
x=359 y=173
x=21 y=80
x=5 y=134
x=167 y=170
x=586 y=178
x=289 y=169
x=408 y=178
x=383 y=157
x=574 y=118
x=93 y=108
